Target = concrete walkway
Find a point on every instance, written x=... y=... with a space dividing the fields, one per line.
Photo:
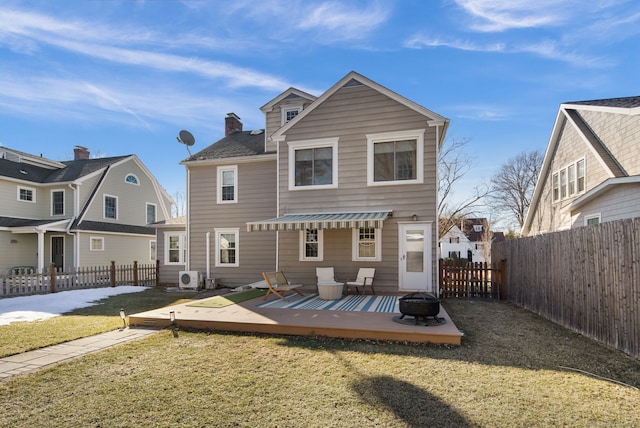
x=45 y=357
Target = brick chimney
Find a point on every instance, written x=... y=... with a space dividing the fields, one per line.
x=232 y=124
x=80 y=153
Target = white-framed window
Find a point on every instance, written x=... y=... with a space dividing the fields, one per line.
x=96 y=243
x=568 y=181
x=477 y=228
x=132 y=179
x=57 y=202
x=454 y=240
x=289 y=112
x=227 y=184
x=367 y=244
x=395 y=158
x=311 y=245
x=153 y=253
x=174 y=248
x=26 y=194
x=227 y=247
x=313 y=164
x=592 y=219
x=151 y=213
x=110 y=207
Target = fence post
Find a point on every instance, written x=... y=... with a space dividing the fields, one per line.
x=113 y=273
x=157 y=273
x=52 y=277
x=503 y=279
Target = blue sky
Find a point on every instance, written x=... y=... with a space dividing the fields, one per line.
x=123 y=77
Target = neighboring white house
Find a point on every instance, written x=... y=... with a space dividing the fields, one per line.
x=472 y=242
x=83 y=212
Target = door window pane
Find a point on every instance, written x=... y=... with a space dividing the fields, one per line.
x=414 y=240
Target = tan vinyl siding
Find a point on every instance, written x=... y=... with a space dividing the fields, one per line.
x=12 y=207
x=351 y=114
x=623 y=201
x=256 y=201
x=132 y=199
x=123 y=249
x=22 y=252
x=168 y=273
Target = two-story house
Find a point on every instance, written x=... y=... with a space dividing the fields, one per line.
x=591 y=168
x=84 y=212
x=347 y=179
x=471 y=240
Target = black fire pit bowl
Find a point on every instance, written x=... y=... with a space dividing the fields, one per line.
x=420 y=305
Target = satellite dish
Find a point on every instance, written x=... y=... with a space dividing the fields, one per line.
x=185 y=137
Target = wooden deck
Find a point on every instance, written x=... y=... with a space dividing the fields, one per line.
x=249 y=318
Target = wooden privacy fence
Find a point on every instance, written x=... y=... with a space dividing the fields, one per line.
x=83 y=277
x=586 y=279
x=470 y=280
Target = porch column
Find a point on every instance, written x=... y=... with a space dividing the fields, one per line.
x=40 y=251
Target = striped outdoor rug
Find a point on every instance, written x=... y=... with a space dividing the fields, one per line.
x=358 y=303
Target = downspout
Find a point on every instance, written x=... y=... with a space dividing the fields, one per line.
x=208 y=252
x=435 y=275
x=187 y=261
x=76 y=243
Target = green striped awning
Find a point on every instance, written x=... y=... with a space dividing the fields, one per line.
x=321 y=221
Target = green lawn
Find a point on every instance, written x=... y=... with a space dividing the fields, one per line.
x=513 y=369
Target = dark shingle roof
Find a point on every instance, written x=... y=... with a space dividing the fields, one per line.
x=238 y=144
x=73 y=170
x=98 y=226
x=22 y=222
x=625 y=102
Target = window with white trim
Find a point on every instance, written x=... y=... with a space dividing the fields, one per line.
x=313 y=164
x=289 y=113
x=227 y=247
x=110 y=207
x=57 y=202
x=367 y=244
x=151 y=213
x=96 y=243
x=153 y=254
x=569 y=181
x=395 y=157
x=132 y=179
x=26 y=194
x=174 y=248
x=311 y=245
x=593 y=219
x=227 y=184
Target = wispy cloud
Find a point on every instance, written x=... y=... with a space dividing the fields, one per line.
x=420 y=41
x=501 y=15
x=342 y=21
x=484 y=112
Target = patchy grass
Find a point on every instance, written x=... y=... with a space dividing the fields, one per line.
x=24 y=336
x=513 y=369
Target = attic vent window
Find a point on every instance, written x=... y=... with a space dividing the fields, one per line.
x=289 y=113
x=132 y=179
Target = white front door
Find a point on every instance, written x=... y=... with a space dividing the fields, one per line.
x=415 y=257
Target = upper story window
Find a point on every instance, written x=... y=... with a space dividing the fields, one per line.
x=132 y=179
x=151 y=213
x=395 y=157
x=57 y=202
x=227 y=184
x=110 y=207
x=313 y=164
x=289 y=113
x=477 y=228
x=569 y=181
x=26 y=194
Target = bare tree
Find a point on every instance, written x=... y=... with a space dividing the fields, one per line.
x=179 y=209
x=512 y=186
x=454 y=163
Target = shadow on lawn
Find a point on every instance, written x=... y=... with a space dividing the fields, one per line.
x=415 y=406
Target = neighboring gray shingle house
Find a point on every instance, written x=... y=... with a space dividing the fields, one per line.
x=84 y=212
x=347 y=179
x=591 y=169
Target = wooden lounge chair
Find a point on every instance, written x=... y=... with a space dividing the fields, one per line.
x=277 y=284
x=364 y=278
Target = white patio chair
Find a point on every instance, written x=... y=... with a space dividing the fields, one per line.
x=365 y=278
x=328 y=287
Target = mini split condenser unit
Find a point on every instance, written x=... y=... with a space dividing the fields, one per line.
x=190 y=279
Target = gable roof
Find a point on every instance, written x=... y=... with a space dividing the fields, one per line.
x=568 y=115
x=353 y=78
x=237 y=144
x=289 y=93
